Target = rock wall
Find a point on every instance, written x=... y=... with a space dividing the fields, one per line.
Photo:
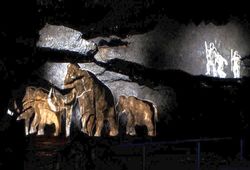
x=137 y=65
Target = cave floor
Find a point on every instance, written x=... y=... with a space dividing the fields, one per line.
x=46 y=152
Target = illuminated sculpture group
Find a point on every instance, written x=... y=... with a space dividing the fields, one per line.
x=96 y=105
x=216 y=62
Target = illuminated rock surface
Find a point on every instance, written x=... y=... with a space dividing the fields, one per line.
x=64 y=38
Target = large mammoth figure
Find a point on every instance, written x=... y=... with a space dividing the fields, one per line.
x=94 y=98
x=138 y=112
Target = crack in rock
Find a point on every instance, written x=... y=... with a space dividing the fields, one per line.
x=109 y=76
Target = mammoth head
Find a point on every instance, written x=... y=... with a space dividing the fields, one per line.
x=122 y=104
x=73 y=72
x=29 y=93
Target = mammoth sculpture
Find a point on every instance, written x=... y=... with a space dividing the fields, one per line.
x=59 y=103
x=138 y=112
x=46 y=116
x=27 y=109
x=95 y=99
x=68 y=101
x=36 y=102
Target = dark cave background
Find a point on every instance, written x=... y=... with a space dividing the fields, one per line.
x=197 y=96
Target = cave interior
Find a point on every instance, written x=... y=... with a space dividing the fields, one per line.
x=152 y=50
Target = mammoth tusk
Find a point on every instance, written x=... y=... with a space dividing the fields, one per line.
x=49 y=96
x=53 y=91
x=51 y=105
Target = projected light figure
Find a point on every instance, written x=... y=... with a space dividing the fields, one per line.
x=219 y=63
x=210 y=55
x=235 y=63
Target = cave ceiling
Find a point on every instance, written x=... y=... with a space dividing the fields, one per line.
x=25 y=19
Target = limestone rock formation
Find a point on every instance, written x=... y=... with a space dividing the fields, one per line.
x=64 y=38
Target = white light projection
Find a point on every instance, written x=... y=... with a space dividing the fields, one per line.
x=235 y=63
x=215 y=61
x=210 y=55
x=219 y=63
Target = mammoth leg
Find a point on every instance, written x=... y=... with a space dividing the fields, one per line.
x=90 y=125
x=113 y=127
x=34 y=123
x=42 y=122
x=112 y=122
x=27 y=120
x=99 y=125
x=36 y=120
x=41 y=129
x=130 y=128
x=27 y=123
x=60 y=122
x=68 y=119
x=150 y=126
x=26 y=116
x=85 y=117
x=57 y=126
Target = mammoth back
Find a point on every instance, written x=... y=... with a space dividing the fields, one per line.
x=102 y=89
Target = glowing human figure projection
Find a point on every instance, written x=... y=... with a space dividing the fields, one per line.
x=215 y=61
x=219 y=63
x=210 y=55
x=235 y=63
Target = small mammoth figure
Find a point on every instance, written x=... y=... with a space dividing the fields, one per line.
x=138 y=112
x=46 y=116
x=36 y=102
x=26 y=109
